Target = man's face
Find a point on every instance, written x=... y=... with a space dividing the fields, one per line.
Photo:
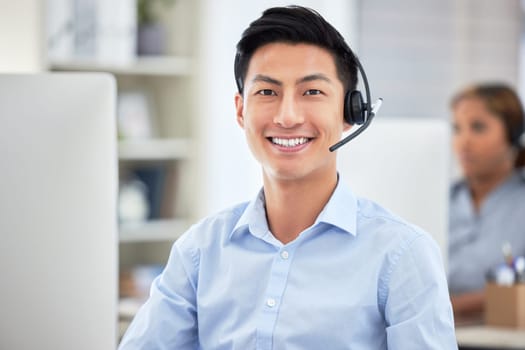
x=479 y=139
x=292 y=110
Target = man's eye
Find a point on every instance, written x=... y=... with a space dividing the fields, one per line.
x=313 y=92
x=266 y=92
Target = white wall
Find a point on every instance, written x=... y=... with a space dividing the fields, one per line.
x=418 y=53
x=21 y=36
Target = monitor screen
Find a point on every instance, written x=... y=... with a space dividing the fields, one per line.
x=404 y=165
x=58 y=249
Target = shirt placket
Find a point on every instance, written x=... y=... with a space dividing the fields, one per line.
x=269 y=311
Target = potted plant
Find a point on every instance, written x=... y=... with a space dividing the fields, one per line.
x=151 y=36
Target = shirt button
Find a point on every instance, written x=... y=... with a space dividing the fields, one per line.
x=270 y=302
x=285 y=255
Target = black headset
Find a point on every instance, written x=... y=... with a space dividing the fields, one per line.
x=357 y=111
x=515 y=138
x=516 y=135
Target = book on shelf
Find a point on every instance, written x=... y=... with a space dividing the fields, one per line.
x=153 y=177
x=102 y=31
x=134 y=286
x=155 y=187
x=135 y=281
x=168 y=206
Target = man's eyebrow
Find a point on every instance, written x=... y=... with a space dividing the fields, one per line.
x=266 y=79
x=313 y=77
x=305 y=79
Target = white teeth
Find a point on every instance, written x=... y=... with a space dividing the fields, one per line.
x=289 y=142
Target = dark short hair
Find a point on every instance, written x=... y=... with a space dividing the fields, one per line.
x=295 y=24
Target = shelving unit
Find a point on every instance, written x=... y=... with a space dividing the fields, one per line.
x=154 y=149
x=152 y=231
x=166 y=82
x=171 y=147
x=171 y=66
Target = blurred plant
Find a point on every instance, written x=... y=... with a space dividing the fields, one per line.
x=148 y=11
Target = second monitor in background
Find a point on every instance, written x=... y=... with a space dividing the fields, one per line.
x=404 y=164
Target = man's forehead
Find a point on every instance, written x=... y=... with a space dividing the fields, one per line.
x=303 y=62
x=273 y=51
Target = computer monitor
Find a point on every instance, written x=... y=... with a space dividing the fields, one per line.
x=58 y=228
x=404 y=165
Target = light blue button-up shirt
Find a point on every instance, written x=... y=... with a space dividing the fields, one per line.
x=359 y=278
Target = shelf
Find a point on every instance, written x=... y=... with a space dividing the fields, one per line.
x=152 y=231
x=127 y=309
x=154 y=149
x=143 y=65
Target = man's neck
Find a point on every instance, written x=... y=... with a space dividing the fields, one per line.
x=293 y=206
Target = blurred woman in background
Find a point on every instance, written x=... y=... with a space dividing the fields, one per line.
x=487 y=208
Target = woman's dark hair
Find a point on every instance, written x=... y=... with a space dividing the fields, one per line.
x=502 y=101
x=295 y=24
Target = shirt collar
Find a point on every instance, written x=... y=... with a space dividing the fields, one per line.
x=340 y=212
x=253 y=219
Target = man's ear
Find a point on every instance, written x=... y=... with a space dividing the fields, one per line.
x=239 y=105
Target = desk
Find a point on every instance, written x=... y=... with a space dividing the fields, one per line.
x=480 y=336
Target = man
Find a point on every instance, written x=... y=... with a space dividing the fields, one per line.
x=306 y=264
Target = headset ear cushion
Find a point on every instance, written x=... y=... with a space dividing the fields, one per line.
x=356 y=107
x=516 y=136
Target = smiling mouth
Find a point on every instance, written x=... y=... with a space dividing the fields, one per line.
x=289 y=142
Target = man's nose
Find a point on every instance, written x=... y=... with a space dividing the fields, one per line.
x=289 y=113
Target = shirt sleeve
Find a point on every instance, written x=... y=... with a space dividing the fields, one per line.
x=168 y=319
x=418 y=311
